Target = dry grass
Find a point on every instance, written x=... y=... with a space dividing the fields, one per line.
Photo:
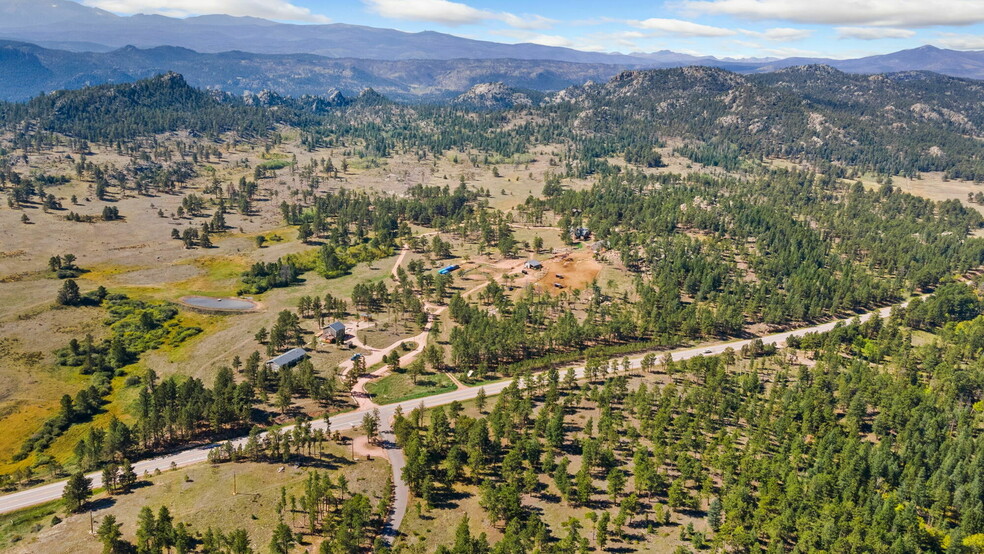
x=934 y=187
x=436 y=527
x=202 y=496
x=137 y=257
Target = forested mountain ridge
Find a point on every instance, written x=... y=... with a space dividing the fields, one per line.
x=823 y=84
x=892 y=124
x=896 y=123
x=496 y=96
x=159 y=105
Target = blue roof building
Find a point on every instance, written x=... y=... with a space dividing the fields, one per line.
x=449 y=269
x=287 y=359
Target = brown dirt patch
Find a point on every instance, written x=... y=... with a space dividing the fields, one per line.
x=363 y=448
x=574 y=270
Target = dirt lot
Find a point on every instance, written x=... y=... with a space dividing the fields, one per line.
x=567 y=271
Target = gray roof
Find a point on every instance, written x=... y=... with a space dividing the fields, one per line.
x=289 y=357
x=534 y=263
x=337 y=326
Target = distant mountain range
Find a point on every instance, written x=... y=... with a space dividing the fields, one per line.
x=28 y=69
x=955 y=63
x=69 y=25
x=58 y=44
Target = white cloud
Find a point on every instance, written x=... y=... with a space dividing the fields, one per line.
x=887 y=13
x=960 y=42
x=449 y=13
x=269 y=9
x=525 y=21
x=780 y=34
x=873 y=33
x=681 y=28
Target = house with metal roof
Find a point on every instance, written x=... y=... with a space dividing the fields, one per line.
x=533 y=264
x=287 y=359
x=335 y=331
x=448 y=269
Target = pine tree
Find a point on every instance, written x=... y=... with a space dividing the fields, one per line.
x=146 y=530
x=282 y=540
x=110 y=535
x=77 y=491
x=714 y=514
x=127 y=476
x=480 y=399
x=602 y=530
x=69 y=294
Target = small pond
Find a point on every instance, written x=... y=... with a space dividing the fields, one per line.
x=219 y=304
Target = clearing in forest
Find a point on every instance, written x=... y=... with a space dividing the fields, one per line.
x=568 y=270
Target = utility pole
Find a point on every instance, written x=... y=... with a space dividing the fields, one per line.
x=92 y=528
x=235 y=491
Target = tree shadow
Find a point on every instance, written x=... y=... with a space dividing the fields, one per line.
x=449 y=500
x=138 y=484
x=327 y=461
x=101 y=504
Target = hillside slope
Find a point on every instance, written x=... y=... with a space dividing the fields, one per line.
x=897 y=123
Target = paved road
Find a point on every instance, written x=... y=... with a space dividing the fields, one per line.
x=45 y=493
x=401 y=492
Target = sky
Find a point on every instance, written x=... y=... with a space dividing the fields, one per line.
x=722 y=28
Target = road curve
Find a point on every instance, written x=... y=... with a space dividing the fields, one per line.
x=45 y=493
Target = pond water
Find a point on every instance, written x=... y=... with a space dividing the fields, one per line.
x=223 y=304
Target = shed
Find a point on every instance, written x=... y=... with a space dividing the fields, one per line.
x=448 y=269
x=287 y=359
x=533 y=264
x=335 y=331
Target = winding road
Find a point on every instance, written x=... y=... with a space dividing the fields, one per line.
x=347 y=421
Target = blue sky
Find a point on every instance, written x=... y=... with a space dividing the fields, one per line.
x=723 y=28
